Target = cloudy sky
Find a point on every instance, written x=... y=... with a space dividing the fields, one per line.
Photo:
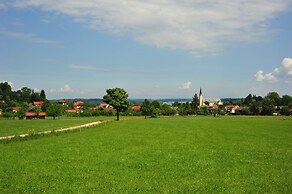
x=152 y=49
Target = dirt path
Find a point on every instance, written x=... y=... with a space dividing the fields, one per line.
x=57 y=130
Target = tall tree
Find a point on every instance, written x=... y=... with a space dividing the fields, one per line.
x=43 y=95
x=268 y=106
x=195 y=103
x=275 y=97
x=286 y=100
x=54 y=110
x=118 y=99
x=25 y=93
x=146 y=108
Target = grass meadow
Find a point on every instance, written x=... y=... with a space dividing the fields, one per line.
x=164 y=155
x=17 y=127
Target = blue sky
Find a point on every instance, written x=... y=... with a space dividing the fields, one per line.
x=152 y=49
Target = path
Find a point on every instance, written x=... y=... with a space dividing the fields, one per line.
x=57 y=130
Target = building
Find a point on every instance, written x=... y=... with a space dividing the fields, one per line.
x=201 y=99
x=63 y=102
x=136 y=108
x=209 y=102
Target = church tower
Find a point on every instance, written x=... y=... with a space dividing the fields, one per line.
x=201 y=102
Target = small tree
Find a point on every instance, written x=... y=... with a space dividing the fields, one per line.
x=195 y=103
x=118 y=99
x=146 y=108
x=54 y=110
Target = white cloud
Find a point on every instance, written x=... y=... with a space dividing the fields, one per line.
x=287 y=66
x=28 y=37
x=260 y=76
x=65 y=89
x=2 y=5
x=197 y=26
x=186 y=85
x=282 y=72
x=80 y=66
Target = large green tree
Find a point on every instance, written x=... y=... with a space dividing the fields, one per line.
x=118 y=99
x=268 y=106
x=54 y=110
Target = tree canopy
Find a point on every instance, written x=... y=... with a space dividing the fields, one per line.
x=118 y=99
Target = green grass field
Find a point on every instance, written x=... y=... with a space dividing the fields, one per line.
x=17 y=127
x=164 y=155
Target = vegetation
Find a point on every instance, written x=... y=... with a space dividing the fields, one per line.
x=164 y=155
x=17 y=127
x=118 y=98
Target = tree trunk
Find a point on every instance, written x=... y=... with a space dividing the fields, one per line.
x=118 y=115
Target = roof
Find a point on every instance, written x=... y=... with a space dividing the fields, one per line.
x=30 y=114
x=42 y=114
x=136 y=108
x=38 y=103
x=78 y=103
x=16 y=108
x=33 y=114
x=71 y=111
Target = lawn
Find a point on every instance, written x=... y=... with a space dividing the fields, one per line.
x=164 y=155
x=17 y=127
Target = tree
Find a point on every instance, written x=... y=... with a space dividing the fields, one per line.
x=146 y=108
x=247 y=100
x=275 y=97
x=35 y=96
x=195 y=103
x=255 y=107
x=286 y=100
x=285 y=111
x=54 y=110
x=25 y=94
x=268 y=106
x=43 y=95
x=118 y=99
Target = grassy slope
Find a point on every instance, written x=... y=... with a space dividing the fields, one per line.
x=198 y=154
x=17 y=127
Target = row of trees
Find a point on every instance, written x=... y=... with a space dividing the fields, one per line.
x=23 y=95
x=118 y=99
x=268 y=105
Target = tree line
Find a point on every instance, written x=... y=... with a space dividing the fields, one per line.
x=118 y=99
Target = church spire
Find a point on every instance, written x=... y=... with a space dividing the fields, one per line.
x=201 y=101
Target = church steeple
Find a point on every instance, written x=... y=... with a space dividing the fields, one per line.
x=201 y=101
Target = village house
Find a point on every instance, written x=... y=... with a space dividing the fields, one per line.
x=63 y=102
x=136 y=108
x=15 y=109
x=105 y=106
x=33 y=115
x=78 y=107
x=38 y=103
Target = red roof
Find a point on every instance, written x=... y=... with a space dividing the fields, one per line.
x=78 y=103
x=136 y=108
x=33 y=114
x=30 y=114
x=38 y=103
x=42 y=114
x=16 y=108
x=71 y=111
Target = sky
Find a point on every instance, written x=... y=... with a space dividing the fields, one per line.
x=152 y=49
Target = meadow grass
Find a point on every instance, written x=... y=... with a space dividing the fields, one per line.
x=17 y=127
x=164 y=155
